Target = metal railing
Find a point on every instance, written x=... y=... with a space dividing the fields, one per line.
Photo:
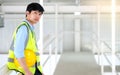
x=104 y=51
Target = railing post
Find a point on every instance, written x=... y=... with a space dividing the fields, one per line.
x=102 y=65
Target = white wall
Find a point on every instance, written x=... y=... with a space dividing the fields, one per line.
x=88 y=25
x=118 y=31
x=10 y=22
x=105 y=29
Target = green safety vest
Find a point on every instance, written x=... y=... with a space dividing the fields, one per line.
x=30 y=45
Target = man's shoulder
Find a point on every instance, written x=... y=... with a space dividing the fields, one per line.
x=22 y=28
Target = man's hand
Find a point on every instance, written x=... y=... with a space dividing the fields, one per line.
x=24 y=66
x=28 y=73
x=42 y=73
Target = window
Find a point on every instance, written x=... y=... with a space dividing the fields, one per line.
x=1 y=21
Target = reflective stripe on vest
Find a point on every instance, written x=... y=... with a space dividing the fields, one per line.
x=30 y=44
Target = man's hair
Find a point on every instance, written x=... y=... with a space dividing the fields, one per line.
x=34 y=6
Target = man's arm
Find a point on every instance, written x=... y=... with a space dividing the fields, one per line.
x=20 y=43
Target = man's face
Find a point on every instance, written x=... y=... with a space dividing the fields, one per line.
x=33 y=16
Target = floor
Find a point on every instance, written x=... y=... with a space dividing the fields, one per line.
x=82 y=63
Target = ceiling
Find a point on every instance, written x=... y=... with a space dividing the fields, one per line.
x=66 y=2
x=86 y=5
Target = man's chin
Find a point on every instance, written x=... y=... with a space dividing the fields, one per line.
x=36 y=22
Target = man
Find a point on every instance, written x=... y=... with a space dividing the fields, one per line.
x=24 y=44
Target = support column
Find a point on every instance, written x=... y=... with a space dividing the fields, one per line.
x=41 y=34
x=56 y=32
x=113 y=36
x=77 y=35
x=98 y=32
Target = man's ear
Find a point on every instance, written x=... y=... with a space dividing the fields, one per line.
x=27 y=12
